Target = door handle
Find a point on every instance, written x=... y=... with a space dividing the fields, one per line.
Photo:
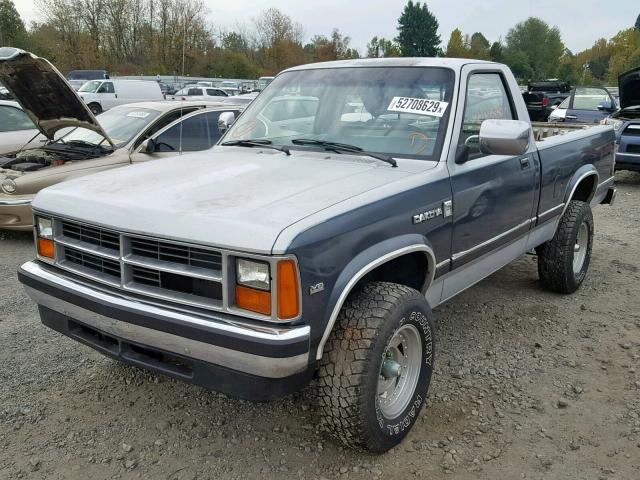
x=571 y=117
x=524 y=163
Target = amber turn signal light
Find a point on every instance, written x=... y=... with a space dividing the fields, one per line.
x=288 y=290
x=45 y=248
x=258 y=301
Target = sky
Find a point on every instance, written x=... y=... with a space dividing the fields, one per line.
x=581 y=22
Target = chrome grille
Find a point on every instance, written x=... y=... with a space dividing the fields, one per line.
x=95 y=263
x=162 y=269
x=183 y=254
x=92 y=235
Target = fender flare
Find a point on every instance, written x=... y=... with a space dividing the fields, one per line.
x=582 y=173
x=368 y=260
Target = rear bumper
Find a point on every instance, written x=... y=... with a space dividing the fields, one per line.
x=16 y=214
x=245 y=361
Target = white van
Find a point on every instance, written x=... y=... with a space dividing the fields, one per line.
x=101 y=95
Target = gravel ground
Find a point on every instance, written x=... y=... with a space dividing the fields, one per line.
x=528 y=384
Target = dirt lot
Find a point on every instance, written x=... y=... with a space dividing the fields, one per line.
x=528 y=385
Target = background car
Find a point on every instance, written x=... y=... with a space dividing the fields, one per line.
x=585 y=105
x=101 y=95
x=123 y=135
x=16 y=128
x=196 y=92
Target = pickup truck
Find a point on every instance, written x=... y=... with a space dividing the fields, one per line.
x=315 y=243
x=541 y=97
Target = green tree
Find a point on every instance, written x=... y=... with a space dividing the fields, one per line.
x=12 y=31
x=381 y=47
x=538 y=44
x=456 y=47
x=496 y=52
x=626 y=45
x=418 y=31
x=479 y=46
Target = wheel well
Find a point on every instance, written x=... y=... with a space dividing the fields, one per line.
x=410 y=270
x=584 y=190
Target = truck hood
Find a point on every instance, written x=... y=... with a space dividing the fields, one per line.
x=44 y=94
x=229 y=197
x=629 y=86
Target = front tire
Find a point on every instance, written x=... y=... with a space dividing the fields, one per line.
x=95 y=108
x=563 y=261
x=375 y=374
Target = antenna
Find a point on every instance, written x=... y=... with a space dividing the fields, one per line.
x=184 y=41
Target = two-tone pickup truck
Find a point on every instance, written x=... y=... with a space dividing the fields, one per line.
x=316 y=239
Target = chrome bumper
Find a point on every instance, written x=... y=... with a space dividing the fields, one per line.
x=14 y=202
x=263 y=351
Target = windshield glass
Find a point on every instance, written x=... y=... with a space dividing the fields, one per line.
x=120 y=123
x=90 y=87
x=396 y=111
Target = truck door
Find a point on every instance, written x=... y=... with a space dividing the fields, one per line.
x=107 y=95
x=493 y=195
x=584 y=105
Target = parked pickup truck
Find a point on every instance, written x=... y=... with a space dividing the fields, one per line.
x=317 y=242
x=541 y=97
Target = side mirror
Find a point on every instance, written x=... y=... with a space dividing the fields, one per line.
x=148 y=146
x=225 y=120
x=606 y=106
x=504 y=137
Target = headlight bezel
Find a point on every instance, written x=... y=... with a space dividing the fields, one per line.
x=263 y=304
x=43 y=227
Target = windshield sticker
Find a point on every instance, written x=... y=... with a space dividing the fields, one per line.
x=138 y=114
x=419 y=106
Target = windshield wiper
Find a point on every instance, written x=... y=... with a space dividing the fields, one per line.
x=343 y=147
x=83 y=143
x=256 y=143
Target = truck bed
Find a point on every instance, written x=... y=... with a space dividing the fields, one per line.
x=544 y=130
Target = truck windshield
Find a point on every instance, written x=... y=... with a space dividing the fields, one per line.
x=396 y=111
x=91 y=87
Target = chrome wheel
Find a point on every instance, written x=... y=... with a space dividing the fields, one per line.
x=399 y=372
x=580 y=248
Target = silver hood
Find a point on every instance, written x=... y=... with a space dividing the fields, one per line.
x=44 y=94
x=228 y=197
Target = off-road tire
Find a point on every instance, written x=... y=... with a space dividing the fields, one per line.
x=351 y=365
x=555 y=257
x=95 y=108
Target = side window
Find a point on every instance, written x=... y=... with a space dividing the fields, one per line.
x=589 y=98
x=487 y=99
x=194 y=92
x=214 y=131
x=194 y=132
x=13 y=119
x=163 y=122
x=215 y=93
x=106 y=87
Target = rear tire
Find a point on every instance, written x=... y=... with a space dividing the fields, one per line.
x=377 y=366
x=564 y=260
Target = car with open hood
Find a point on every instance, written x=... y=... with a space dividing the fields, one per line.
x=626 y=121
x=124 y=135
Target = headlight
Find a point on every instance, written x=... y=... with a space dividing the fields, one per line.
x=253 y=274
x=616 y=124
x=8 y=186
x=44 y=238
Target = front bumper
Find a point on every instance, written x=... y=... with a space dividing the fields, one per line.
x=16 y=214
x=242 y=360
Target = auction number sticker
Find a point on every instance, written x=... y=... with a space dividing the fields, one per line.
x=419 y=106
x=138 y=114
